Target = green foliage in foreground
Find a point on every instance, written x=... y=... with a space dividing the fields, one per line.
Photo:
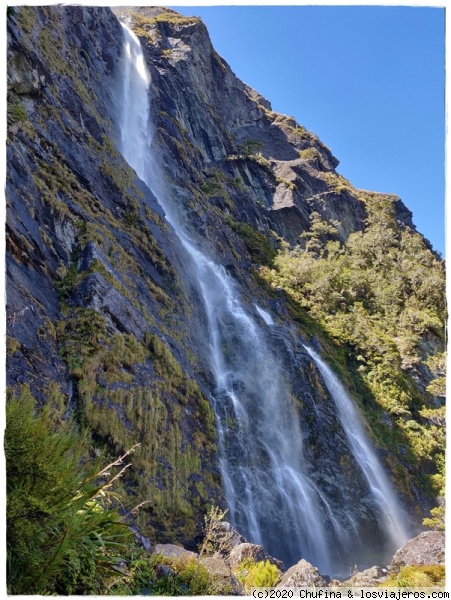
x=378 y=296
x=257 y=574
x=63 y=536
x=417 y=576
x=157 y=575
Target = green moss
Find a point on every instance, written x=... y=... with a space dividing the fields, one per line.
x=249 y=147
x=309 y=153
x=15 y=110
x=256 y=243
x=172 y=18
x=288 y=184
x=123 y=416
x=12 y=345
x=218 y=184
x=182 y=131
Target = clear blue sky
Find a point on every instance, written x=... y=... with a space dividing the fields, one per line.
x=368 y=80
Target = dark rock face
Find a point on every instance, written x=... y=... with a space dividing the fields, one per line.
x=41 y=217
x=287 y=172
x=104 y=317
x=94 y=274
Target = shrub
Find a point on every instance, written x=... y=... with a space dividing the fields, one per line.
x=161 y=576
x=380 y=295
x=260 y=574
x=217 y=536
x=63 y=536
x=256 y=243
x=417 y=576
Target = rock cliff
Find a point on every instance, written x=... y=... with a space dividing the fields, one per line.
x=104 y=316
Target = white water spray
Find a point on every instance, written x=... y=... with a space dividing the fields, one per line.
x=134 y=122
x=271 y=496
x=267 y=318
x=392 y=518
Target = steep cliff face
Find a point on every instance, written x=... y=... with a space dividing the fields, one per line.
x=95 y=291
x=285 y=172
x=105 y=318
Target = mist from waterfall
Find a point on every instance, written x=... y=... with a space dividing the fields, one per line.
x=272 y=499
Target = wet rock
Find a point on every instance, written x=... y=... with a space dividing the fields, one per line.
x=428 y=548
x=302 y=574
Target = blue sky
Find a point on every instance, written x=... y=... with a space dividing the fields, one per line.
x=368 y=80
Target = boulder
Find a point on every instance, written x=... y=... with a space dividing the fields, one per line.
x=252 y=552
x=22 y=77
x=225 y=583
x=428 y=548
x=234 y=537
x=173 y=552
x=302 y=574
x=371 y=577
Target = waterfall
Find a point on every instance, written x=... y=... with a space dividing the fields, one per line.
x=392 y=518
x=265 y=316
x=272 y=498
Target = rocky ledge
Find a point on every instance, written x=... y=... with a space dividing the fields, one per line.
x=420 y=562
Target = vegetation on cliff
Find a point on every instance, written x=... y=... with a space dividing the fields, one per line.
x=381 y=296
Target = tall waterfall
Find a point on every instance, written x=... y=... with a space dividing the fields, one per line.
x=272 y=498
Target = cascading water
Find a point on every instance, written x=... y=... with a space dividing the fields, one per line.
x=391 y=516
x=271 y=496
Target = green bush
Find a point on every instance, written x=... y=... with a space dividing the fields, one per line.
x=417 y=576
x=260 y=574
x=182 y=577
x=63 y=536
